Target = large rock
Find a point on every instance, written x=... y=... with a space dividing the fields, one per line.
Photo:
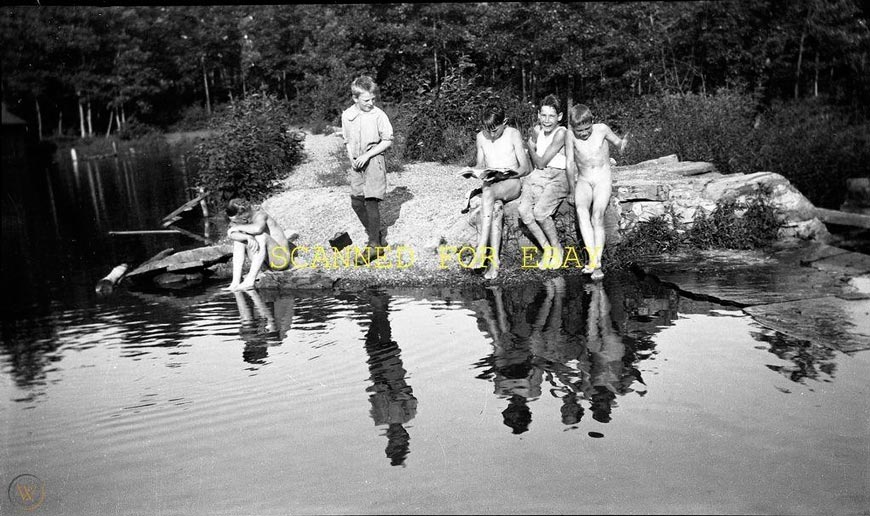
x=664 y=186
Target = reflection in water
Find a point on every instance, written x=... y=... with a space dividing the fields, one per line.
x=269 y=328
x=533 y=342
x=392 y=399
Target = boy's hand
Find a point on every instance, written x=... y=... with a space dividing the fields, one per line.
x=360 y=162
x=623 y=143
x=253 y=245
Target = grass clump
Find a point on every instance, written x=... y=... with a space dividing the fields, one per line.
x=732 y=224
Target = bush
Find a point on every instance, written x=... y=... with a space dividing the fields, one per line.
x=731 y=225
x=442 y=122
x=715 y=128
x=735 y=225
x=251 y=150
x=195 y=117
x=815 y=146
x=133 y=129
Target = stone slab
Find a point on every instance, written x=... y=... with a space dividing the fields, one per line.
x=190 y=260
x=847 y=263
x=743 y=278
x=830 y=321
x=296 y=279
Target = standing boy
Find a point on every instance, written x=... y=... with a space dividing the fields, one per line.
x=367 y=133
x=547 y=185
x=588 y=153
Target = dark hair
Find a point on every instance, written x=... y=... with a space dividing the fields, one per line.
x=492 y=114
x=237 y=206
x=553 y=102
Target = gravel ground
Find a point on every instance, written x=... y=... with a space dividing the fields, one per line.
x=422 y=201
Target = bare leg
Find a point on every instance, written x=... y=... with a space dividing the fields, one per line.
x=487 y=199
x=495 y=240
x=583 y=204
x=600 y=200
x=239 y=252
x=257 y=260
x=549 y=229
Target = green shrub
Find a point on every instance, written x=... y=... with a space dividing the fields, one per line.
x=650 y=237
x=715 y=128
x=736 y=225
x=442 y=122
x=133 y=129
x=815 y=146
x=251 y=150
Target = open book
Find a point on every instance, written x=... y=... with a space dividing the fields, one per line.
x=488 y=174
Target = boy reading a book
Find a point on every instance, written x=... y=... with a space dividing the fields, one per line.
x=498 y=147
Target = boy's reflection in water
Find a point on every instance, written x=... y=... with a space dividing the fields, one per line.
x=511 y=365
x=269 y=328
x=392 y=399
x=533 y=343
x=606 y=351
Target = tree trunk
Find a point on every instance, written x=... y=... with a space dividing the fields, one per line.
x=523 y=71
x=90 y=124
x=205 y=83
x=38 y=118
x=118 y=119
x=797 y=74
x=435 y=60
x=81 y=118
x=284 y=83
x=816 y=79
x=123 y=115
x=111 y=119
x=60 y=122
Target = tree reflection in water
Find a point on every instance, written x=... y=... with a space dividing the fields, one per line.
x=392 y=399
x=536 y=340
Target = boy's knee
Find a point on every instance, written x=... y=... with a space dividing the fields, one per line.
x=526 y=213
x=598 y=216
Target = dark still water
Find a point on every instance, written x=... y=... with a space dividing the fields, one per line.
x=556 y=396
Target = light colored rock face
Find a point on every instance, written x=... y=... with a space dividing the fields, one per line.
x=678 y=190
x=663 y=186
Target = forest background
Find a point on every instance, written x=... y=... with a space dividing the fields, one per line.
x=749 y=85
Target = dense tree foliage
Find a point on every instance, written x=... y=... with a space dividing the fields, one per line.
x=89 y=69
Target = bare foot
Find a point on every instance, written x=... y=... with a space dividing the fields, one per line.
x=556 y=259
x=597 y=274
x=544 y=264
x=587 y=270
x=477 y=261
x=245 y=285
x=233 y=287
x=491 y=272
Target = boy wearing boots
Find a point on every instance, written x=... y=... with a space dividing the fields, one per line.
x=367 y=133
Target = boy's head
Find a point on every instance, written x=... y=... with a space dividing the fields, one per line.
x=550 y=113
x=238 y=211
x=580 y=119
x=364 y=92
x=493 y=120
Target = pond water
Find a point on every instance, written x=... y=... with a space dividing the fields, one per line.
x=561 y=396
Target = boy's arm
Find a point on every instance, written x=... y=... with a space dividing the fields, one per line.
x=571 y=170
x=532 y=144
x=521 y=154
x=256 y=227
x=480 y=161
x=611 y=137
x=551 y=151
